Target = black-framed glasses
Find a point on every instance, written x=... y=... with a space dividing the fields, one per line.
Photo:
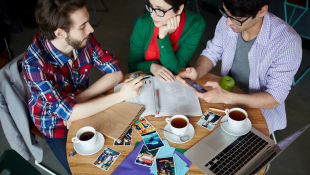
x=158 y=12
x=234 y=20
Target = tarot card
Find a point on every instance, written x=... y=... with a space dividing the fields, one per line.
x=165 y=166
x=146 y=157
x=126 y=141
x=209 y=119
x=142 y=126
x=106 y=158
x=152 y=140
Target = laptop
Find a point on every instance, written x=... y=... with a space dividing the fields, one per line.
x=220 y=153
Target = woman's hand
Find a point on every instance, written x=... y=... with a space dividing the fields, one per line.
x=172 y=25
x=162 y=73
x=131 y=88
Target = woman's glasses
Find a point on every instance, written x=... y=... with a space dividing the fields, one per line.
x=236 y=21
x=158 y=12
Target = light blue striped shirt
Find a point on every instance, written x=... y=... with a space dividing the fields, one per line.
x=274 y=60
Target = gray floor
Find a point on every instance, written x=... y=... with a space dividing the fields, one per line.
x=113 y=33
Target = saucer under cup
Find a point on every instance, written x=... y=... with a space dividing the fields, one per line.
x=236 y=123
x=86 y=143
x=175 y=139
x=85 y=151
x=177 y=130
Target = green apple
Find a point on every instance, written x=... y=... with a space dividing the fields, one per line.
x=227 y=83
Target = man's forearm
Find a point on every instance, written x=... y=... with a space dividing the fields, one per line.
x=94 y=106
x=203 y=66
x=261 y=100
x=104 y=84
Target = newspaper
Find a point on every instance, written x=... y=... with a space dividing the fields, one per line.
x=173 y=98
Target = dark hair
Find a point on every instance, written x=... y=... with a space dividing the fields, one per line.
x=245 y=8
x=176 y=4
x=54 y=14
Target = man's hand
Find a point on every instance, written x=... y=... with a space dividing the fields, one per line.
x=68 y=124
x=131 y=87
x=162 y=72
x=214 y=95
x=172 y=25
x=190 y=73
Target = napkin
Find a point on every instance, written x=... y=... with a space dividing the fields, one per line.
x=128 y=166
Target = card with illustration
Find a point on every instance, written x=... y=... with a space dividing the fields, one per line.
x=152 y=140
x=106 y=158
x=126 y=141
x=165 y=166
x=146 y=157
x=209 y=119
x=142 y=126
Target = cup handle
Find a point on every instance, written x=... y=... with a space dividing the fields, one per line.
x=226 y=111
x=168 y=120
x=75 y=140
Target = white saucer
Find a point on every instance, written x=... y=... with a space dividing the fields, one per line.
x=85 y=151
x=175 y=139
x=236 y=131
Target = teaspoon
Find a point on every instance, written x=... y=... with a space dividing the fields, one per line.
x=182 y=138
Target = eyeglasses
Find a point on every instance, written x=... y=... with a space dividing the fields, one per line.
x=158 y=12
x=236 y=21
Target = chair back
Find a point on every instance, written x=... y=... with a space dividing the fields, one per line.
x=15 y=164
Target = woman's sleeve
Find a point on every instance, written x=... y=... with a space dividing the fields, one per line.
x=176 y=61
x=136 y=60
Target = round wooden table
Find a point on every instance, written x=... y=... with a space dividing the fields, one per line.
x=83 y=164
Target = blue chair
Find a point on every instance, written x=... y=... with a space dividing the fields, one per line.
x=304 y=6
x=15 y=164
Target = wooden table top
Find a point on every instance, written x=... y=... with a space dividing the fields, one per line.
x=83 y=164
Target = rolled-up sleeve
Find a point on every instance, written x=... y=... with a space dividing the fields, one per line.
x=103 y=59
x=54 y=102
x=281 y=73
x=214 y=49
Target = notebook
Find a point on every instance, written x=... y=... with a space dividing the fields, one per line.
x=115 y=121
x=220 y=153
x=173 y=98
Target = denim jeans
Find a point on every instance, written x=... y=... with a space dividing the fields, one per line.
x=58 y=146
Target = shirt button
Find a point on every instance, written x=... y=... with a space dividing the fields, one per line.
x=162 y=47
x=86 y=70
x=49 y=97
x=106 y=51
x=73 y=95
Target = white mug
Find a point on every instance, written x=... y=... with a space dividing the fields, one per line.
x=86 y=143
x=178 y=131
x=236 y=123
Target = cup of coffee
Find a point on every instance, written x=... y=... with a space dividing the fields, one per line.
x=236 y=117
x=86 y=136
x=178 y=124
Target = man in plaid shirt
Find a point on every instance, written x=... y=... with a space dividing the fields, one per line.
x=56 y=68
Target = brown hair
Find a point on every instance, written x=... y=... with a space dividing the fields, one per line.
x=54 y=14
x=176 y=4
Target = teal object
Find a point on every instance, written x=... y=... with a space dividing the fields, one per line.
x=305 y=9
x=15 y=164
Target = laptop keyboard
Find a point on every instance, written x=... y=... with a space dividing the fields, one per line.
x=236 y=155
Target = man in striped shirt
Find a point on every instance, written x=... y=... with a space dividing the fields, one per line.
x=56 y=67
x=260 y=51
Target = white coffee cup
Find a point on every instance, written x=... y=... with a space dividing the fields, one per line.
x=85 y=143
x=175 y=129
x=236 y=122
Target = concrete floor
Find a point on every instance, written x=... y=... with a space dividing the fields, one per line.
x=113 y=34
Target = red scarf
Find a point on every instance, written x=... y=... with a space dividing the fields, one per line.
x=152 y=52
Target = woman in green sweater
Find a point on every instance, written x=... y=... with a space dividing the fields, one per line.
x=164 y=40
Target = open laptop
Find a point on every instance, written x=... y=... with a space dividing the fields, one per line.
x=220 y=153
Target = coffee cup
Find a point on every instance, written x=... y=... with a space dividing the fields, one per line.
x=178 y=124
x=236 y=117
x=85 y=136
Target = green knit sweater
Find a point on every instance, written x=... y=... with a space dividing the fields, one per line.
x=187 y=44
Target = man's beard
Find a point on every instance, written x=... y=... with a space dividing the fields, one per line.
x=76 y=44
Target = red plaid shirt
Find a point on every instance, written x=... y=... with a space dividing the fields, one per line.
x=54 y=80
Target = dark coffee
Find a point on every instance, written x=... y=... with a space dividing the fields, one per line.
x=179 y=123
x=86 y=136
x=237 y=115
